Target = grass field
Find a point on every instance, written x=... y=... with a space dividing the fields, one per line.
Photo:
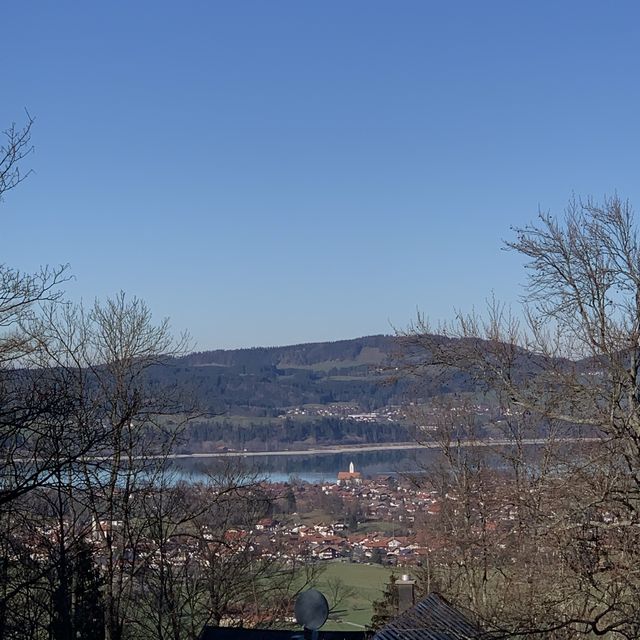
x=367 y=582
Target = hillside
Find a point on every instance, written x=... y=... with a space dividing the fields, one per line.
x=299 y=395
x=265 y=381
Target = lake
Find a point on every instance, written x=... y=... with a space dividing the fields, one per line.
x=324 y=467
x=314 y=468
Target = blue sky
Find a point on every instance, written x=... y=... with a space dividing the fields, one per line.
x=277 y=172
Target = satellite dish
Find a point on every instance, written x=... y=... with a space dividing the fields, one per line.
x=311 y=609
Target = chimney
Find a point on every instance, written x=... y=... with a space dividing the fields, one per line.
x=406 y=593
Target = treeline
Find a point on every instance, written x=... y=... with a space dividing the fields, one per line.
x=229 y=389
x=209 y=436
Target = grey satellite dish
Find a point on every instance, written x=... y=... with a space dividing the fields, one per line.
x=311 y=609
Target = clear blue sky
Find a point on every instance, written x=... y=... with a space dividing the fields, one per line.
x=278 y=172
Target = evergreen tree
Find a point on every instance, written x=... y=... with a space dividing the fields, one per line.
x=385 y=609
x=290 y=497
x=89 y=605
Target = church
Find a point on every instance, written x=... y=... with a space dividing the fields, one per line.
x=349 y=477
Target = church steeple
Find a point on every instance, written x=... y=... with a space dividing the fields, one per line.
x=349 y=477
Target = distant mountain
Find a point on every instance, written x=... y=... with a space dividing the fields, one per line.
x=307 y=394
x=267 y=380
x=324 y=392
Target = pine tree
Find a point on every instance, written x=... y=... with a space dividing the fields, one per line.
x=290 y=497
x=385 y=609
x=89 y=605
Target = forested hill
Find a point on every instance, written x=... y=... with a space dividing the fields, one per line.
x=325 y=356
x=267 y=381
x=269 y=397
x=278 y=396
x=309 y=394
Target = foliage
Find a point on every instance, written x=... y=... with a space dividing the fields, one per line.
x=386 y=608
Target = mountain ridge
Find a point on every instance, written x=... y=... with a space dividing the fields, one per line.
x=222 y=357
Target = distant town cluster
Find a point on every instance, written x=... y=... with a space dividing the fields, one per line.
x=354 y=518
x=346 y=411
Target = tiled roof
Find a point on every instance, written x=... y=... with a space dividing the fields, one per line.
x=229 y=633
x=432 y=618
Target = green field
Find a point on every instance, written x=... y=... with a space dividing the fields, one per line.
x=367 y=582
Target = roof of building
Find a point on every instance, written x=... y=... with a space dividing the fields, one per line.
x=349 y=475
x=432 y=618
x=234 y=633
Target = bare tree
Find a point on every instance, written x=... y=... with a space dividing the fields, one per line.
x=16 y=147
x=249 y=576
x=96 y=540
x=545 y=542
x=81 y=434
x=84 y=437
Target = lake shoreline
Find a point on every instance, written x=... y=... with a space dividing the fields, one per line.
x=388 y=446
